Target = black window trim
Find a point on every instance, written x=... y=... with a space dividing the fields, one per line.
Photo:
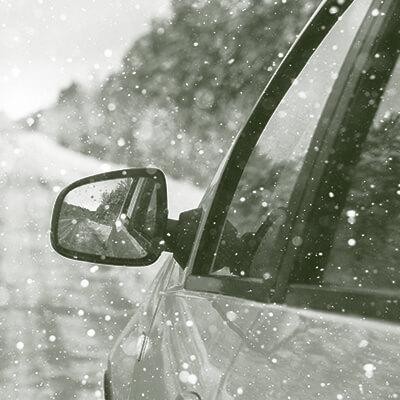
x=251 y=289
x=246 y=288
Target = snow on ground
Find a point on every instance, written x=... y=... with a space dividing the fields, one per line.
x=39 y=156
x=58 y=318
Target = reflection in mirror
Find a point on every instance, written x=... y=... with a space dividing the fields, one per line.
x=111 y=218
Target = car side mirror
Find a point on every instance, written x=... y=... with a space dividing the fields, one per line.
x=117 y=218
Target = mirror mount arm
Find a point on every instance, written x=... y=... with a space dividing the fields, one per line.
x=181 y=235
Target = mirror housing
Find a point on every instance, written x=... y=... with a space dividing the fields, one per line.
x=117 y=218
x=181 y=235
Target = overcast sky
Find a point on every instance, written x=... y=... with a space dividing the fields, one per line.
x=45 y=44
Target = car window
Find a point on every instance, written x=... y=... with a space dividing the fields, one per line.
x=365 y=245
x=260 y=203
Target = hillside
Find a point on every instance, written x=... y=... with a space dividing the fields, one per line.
x=184 y=89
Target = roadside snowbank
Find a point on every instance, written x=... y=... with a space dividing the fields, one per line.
x=34 y=154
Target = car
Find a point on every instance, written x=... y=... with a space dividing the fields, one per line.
x=284 y=283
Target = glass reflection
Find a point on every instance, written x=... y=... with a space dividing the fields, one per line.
x=113 y=218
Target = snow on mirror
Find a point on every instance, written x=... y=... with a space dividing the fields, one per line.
x=115 y=218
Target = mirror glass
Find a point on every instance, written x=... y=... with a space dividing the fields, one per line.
x=110 y=218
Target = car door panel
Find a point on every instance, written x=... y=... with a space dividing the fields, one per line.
x=192 y=344
x=298 y=354
x=222 y=347
x=132 y=341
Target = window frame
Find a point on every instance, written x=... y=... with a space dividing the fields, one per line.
x=292 y=65
x=374 y=303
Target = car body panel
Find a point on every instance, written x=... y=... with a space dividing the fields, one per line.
x=129 y=345
x=224 y=347
x=298 y=354
x=191 y=346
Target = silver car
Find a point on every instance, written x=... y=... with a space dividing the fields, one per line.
x=284 y=283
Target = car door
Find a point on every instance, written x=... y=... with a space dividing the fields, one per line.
x=328 y=250
x=234 y=325
x=335 y=333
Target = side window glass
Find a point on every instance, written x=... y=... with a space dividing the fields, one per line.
x=259 y=206
x=366 y=244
